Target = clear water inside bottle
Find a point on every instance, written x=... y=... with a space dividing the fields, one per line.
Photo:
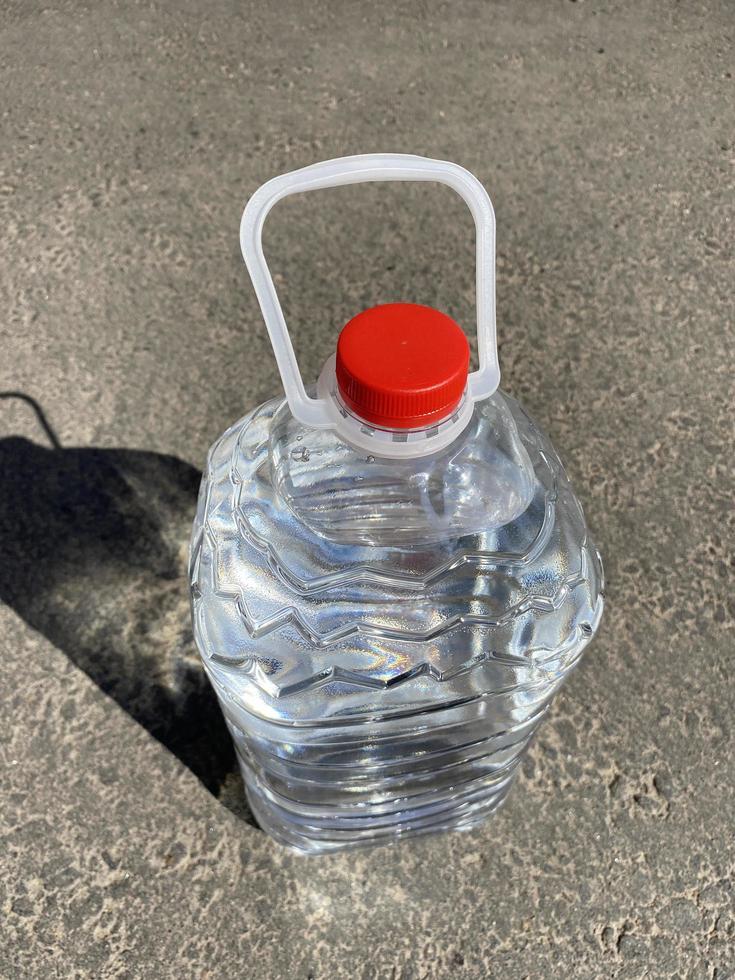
x=385 y=636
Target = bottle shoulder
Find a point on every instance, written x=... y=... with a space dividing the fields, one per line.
x=319 y=507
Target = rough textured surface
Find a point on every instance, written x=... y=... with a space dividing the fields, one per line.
x=131 y=136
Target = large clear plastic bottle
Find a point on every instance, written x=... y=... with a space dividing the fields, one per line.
x=391 y=576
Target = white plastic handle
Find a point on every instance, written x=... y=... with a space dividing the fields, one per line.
x=355 y=170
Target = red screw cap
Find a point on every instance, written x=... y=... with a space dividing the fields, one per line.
x=402 y=366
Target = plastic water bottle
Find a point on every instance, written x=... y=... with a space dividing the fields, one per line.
x=390 y=574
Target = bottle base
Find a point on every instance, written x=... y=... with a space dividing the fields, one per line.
x=338 y=830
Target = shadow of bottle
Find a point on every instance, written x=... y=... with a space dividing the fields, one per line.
x=94 y=552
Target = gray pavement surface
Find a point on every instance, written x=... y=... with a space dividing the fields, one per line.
x=131 y=135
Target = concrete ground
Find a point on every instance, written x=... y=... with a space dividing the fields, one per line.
x=131 y=136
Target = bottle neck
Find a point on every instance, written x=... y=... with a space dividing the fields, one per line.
x=390 y=443
x=482 y=481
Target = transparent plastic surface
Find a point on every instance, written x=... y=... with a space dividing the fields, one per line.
x=385 y=636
